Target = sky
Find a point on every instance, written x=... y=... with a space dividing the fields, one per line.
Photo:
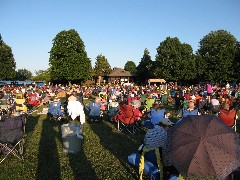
x=118 y=29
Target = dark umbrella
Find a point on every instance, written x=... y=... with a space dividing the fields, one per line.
x=203 y=146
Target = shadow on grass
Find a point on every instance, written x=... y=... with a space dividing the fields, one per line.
x=31 y=123
x=48 y=158
x=80 y=165
x=120 y=144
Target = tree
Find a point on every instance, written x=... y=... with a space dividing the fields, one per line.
x=218 y=50
x=102 y=67
x=68 y=58
x=42 y=75
x=130 y=66
x=236 y=64
x=144 y=69
x=175 y=61
x=7 y=61
x=23 y=74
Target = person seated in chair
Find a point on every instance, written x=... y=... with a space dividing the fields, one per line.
x=202 y=104
x=94 y=109
x=214 y=105
x=228 y=115
x=113 y=108
x=157 y=138
x=75 y=109
x=155 y=114
x=55 y=108
x=191 y=110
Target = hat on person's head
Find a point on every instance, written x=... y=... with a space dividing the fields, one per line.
x=166 y=121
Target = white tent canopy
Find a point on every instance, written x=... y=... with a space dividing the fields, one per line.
x=156 y=81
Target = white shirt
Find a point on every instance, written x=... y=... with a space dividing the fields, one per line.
x=215 y=102
x=75 y=108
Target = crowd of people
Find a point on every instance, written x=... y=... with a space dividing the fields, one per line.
x=148 y=104
x=206 y=98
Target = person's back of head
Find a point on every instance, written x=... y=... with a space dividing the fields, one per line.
x=225 y=106
x=191 y=105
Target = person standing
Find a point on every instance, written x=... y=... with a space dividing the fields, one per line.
x=209 y=91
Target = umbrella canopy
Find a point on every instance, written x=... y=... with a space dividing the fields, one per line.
x=203 y=146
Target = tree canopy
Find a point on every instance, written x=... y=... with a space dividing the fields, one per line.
x=102 y=67
x=175 y=60
x=23 y=74
x=130 y=66
x=68 y=58
x=42 y=75
x=217 y=53
x=145 y=66
x=7 y=61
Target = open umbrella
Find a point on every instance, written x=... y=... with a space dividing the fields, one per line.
x=204 y=147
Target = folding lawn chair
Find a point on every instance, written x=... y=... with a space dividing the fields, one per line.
x=55 y=110
x=94 y=110
x=228 y=117
x=32 y=101
x=19 y=96
x=12 y=130
x=126 y=119
x=21 y=105
x=4 y=107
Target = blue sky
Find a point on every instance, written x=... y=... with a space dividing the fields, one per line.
x=119 y=29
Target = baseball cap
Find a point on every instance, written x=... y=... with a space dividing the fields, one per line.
x=166 y=121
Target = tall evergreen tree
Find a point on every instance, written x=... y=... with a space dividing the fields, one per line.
x=7 y=61
x=144 y=69
x=68 y=58
x=102 y=67
x=218 y=50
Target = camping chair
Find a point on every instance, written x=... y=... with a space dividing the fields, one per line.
x=126 y=119
x=55 y=110
x=94 y=111
x=187 y=112
x=113 y=110
x=164 y=98
x=142 y=163
x=228 y=117
x=203 y=106
x=12 y=130
x=143 y=98
x=21 y=105
x=185 y=104
x=19 y=96
x=32 y=100
x=4 y=107
x=149 y=103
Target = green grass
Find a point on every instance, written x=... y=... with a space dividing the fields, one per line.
x=103 y=155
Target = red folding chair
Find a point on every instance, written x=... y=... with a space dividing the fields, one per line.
x=228 y=117
x=126 y=118
x=32 y=100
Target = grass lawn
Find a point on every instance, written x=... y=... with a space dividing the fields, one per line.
x=103 y=155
